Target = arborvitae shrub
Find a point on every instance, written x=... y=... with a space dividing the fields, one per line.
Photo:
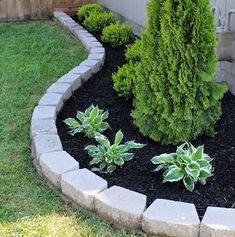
x=176 y=97
x=97 y=21
x=118 y=34
x=85 y=10
x=124 y=78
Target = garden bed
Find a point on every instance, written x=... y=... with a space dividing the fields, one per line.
x=138 y=174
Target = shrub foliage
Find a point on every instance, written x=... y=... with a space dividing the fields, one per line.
x=97 y=21
x=85 y=10
x=118 y=34
x=123 y=79
x=176 y=97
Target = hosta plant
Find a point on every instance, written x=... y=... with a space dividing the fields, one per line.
x=106 y=156
x=89 y=122
x=189 y=164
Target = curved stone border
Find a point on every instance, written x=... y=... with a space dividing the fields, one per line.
x=89 y=191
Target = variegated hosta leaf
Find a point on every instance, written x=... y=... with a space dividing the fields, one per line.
x=162 y=159
x=188 y=163
x=90 y=122
x=111 y=156
x=173 y=175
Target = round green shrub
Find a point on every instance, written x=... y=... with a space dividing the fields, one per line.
x=176 y=96
x=85 y=10
x=97 y=21
x=118 y=34
x=124 y=78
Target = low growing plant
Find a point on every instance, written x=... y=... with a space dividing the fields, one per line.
x=97 y=21
x=90 y=122
x=189 y=164
x=108 y=156
x=85 y=10
x=118 y=34
x=123 y=79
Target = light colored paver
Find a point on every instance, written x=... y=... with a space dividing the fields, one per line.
x=55 y=164
x=52 y=99
x=95 y=65
x=91 y=45
x=64 y=89
x=218 y=222
x=97 y=50
x=81 y=186
x=171 y=219
x=44 y=112
x=73 y=79
x=85 y=40
x=121 y=206
x=42 y=127
x=84 y=71
x=97 y=56
x=45 y=144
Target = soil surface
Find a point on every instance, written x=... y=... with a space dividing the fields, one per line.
x=138 y=174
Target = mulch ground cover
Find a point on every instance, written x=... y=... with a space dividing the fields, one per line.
x=138 y=174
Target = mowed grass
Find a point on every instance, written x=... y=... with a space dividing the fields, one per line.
x=32 y=56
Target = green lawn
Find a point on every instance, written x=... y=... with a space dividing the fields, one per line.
x=32 y=56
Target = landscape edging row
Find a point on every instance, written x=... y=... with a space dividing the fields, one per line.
x=119 y=205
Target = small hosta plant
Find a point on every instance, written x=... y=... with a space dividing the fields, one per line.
x=106 y=156
x=90 y=122
x=118 y=34
x=85 y=10
x=189 y=164
x=97 y=21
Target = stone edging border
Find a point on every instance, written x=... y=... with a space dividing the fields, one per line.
x=89 y=191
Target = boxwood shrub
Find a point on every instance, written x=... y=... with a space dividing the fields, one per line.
x=85 y=10
x=97 y=21
x=118 y=34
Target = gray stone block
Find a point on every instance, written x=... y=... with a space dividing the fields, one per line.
x=121 y=206
x=44 y=112
x=218 y=222
x=97 y=50
x=55 y=164
x=97 y=56
x=91 y=45
x=64 y=89
x=95 y=65
x=171 y=219
x=45 y=144
x=81 y=186
x=59 y=14
x=84 y=71
x=52 y=99
x=73 y=79
x=86 y=40
x=42 y=127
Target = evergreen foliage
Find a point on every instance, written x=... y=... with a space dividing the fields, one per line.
x=176 y=97
x=85 y=10
x=123 y=79
x=118 y=34
x=97 y=21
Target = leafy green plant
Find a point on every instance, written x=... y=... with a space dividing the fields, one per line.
x=189 y=164
x=97 y=21
x=90 y=122
x=176 y=97
x=118 y=34
x=108 y=156
x=85 y=10
x=123 y=79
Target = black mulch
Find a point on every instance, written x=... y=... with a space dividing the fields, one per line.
x=138 y=174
